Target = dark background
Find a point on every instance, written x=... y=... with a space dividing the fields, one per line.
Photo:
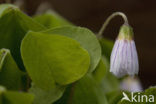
x=92 y=14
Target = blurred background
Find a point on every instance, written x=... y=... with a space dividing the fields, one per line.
x=92 y=14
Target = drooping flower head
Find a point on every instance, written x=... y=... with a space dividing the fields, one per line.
x=124 y=58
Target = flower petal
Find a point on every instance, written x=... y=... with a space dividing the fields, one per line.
x=124 y=58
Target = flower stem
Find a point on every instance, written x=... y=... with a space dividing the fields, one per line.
x=110 y=18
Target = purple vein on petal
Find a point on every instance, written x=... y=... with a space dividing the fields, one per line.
x=132 y=60
x=115 y=52
x=121 y=58
x=124 y=56
x=126 y=63
x=129 y=59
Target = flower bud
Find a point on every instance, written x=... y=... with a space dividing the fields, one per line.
x=131 y=84
x=124 y=58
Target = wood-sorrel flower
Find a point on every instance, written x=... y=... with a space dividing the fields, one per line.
x=124 y=58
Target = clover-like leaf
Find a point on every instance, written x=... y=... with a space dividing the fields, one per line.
x=104 y=78
x=151 y=91
x=101 y=70
x=13 y=26
x=46 y=97
x=51 y=19
x=13 y=97
x=84 y=91
x=2 y=90
x=85 y=37
x=114 y=97
x=106 y=46
x=10 y=74
x=51 y=59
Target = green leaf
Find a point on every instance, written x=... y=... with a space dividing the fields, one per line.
x=101 y=70
x=13 y=97
x=13 y=26
x=114 y=96
x=105 y=79
x=107 y=46
x=10 y=74
x=2 y=90
x=46 y=97
x=51 y=19
x=51 y=59
x=151 y=91
x=85 y=37
x=110 y=83
x=85 y=91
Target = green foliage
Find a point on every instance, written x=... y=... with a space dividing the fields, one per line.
x=10 y=74
x=105 y=79
x=63 y=65
x=46 y=97
x=51 y=19
x=114 y=97
x=109 y=83
x=51 y=59
x=13 y=97
x=85 y=37
x=2 y=90
x=13 y=26
x=100 y=71
x=84 y=91
x=106 y=46
x=151 y=90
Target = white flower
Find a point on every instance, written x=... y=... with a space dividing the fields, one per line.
x=131 y=84
x=124 y=58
